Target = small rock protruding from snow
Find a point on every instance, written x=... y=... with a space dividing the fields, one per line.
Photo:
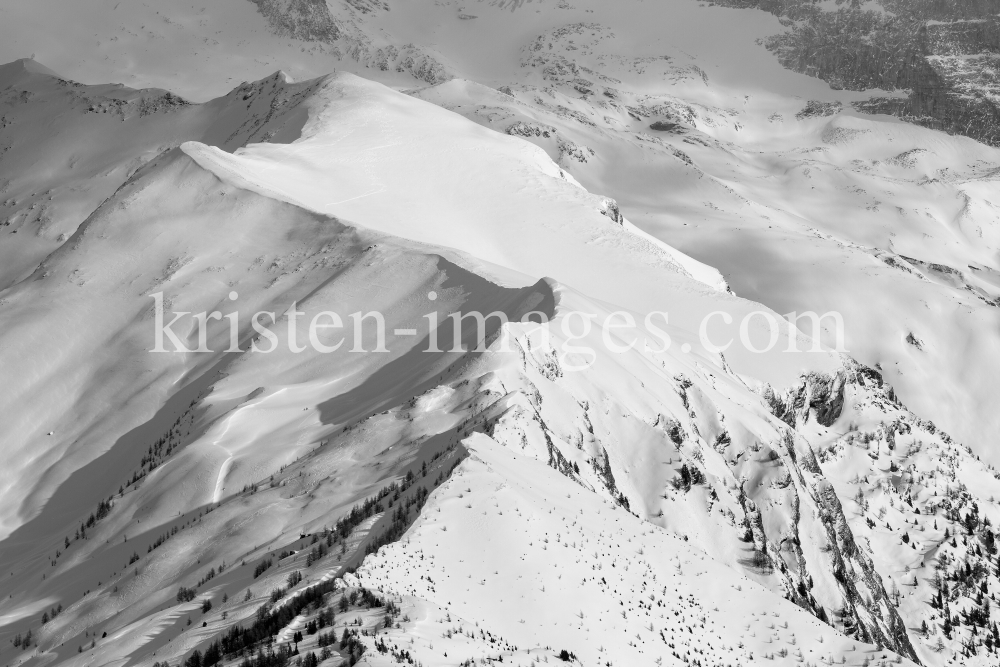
x=609 y=207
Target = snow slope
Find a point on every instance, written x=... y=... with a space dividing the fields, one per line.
x=801 y=211
x=223 y=458
x=776 y=482
x=783 y=192
x=51 y=181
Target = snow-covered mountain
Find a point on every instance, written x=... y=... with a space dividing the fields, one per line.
x=512 y=498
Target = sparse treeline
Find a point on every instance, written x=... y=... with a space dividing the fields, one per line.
x=269 y=622
x=969 y=579
x=400 y=520
x=251 y=641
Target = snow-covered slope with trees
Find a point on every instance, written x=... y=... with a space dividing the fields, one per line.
x=660 y=506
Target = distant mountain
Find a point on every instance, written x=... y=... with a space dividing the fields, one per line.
x=942 y=56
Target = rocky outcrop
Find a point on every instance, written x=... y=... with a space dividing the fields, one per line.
x=818 y=395
x=313 y=21
x=308 y=20
x=817 y=108
x=609 y=208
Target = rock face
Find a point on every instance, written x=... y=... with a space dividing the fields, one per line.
x=339 y=29
x=302 y=19
x=764 y=494
x=820 y=395
x=945 y=57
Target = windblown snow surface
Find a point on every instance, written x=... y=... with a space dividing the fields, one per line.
x=662 y=506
